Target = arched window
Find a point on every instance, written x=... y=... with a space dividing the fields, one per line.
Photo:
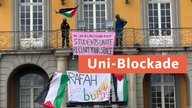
x=30 y=86
x=163 y=91
x=24 y=85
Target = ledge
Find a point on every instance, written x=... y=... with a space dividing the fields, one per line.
x=126 y=50
x=62 y=52
x=166 y=49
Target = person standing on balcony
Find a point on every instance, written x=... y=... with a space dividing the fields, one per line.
x=65 y=33
x=120 y=23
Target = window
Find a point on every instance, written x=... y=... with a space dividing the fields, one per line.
x=166 y=91
x=95 y=13
x=159 y=17
x=30 y=87
x=31 y=16
x=163 y=91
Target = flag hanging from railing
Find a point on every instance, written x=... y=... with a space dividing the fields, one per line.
x=52 y=95
x=68 y=12
x=122 y=89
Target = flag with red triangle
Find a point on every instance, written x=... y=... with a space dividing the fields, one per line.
x=53 y=94
x=68 y=12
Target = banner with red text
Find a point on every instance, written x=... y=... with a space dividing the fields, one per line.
x=93 y=43
x=88 y=87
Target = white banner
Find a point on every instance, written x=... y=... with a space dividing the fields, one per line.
x=88 y=87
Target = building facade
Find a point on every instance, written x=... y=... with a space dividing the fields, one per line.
x=30 y=48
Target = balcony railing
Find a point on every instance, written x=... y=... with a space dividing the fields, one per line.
x=174 y=37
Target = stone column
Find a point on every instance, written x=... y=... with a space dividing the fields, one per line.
x=132 y=91
x=62 y=64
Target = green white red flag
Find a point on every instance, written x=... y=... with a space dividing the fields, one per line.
x=68 y=12
x=52 y=95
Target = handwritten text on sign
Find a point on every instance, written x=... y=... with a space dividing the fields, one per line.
x=88 y=87
x=93 y=43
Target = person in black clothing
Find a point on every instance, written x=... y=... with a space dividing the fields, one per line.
x=65 y=33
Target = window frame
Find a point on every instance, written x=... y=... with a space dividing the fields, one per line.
x=162 y=84
x=108 y=10
x=22 y=36
x=159 y=30
x=94 y=4
x=148 y=97
x=147 y=40
x=31 y=87
x=31 y=18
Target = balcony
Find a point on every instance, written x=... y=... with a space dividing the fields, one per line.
x=40 y=40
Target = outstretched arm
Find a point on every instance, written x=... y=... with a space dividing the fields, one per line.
x=124 y=22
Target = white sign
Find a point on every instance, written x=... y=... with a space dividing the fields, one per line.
x=88 y=87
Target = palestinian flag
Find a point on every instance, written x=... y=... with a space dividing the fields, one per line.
x=122 y=89
x=52 y=95
x=68 y=12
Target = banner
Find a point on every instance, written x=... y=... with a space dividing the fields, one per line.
x=93 y=43
x=88 y=87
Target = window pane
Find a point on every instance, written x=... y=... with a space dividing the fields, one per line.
x=155 y=6
x=28 y=8
x=91 y=13
x=162 y=6
x=159 y=100
x=40 y=22
x=39 y=15
x=167 y=5
x=162 y=13
x=22 y=15
x=150 y=6
x=22 y=8
x=102 y=6
x=34 y=15
x=103 y=13
x=27 y=15
x=150 y=13
x=39 y=8
x=38 y=81
x=154 y=106
x=154 y=100
x=168 y=12
x=166 y=100
x=85 y=7
x=155 y=13
x=155 y=19
x=156 y=78
x=34 y=8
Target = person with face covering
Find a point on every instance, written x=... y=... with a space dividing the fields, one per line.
x=65 y=33
x=120 y=23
